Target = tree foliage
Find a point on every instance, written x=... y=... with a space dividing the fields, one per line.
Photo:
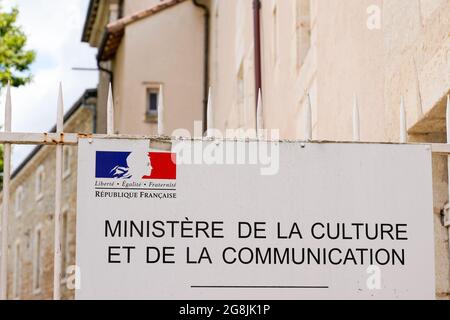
x=15 y=60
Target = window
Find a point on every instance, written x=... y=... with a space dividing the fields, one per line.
x=303 y=30
x=17 y=271
x=66 y=161
x=37 y=260
x=40 y=183
x=151 y=112
x=19 y=200
x=64 y=242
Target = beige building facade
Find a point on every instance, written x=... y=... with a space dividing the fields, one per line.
x=129 y=35
x=376 y=50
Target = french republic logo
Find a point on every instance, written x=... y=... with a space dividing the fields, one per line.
x=135 y=165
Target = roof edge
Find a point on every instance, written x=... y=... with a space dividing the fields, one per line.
x=115 y=30
x=123 y=22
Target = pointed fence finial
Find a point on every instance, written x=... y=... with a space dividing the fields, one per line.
x=110 y=130
x=356 y=127
x=8 y=108
x=60 y=110
x=161 y=111
x=209 y=115
x=447 y=120
x=308 y=119
x=259 y=116
x=403 y=130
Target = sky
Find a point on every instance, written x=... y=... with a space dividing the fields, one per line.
x=54 y=29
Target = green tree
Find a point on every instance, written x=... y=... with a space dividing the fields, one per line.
x=15 y=60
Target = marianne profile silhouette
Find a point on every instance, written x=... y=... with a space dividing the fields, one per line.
x=138 y=166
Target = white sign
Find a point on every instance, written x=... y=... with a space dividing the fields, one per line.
x=329 y=221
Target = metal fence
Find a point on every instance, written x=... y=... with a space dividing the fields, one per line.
x=61 y=138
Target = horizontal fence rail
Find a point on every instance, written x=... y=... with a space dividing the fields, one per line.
x=60 y=138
